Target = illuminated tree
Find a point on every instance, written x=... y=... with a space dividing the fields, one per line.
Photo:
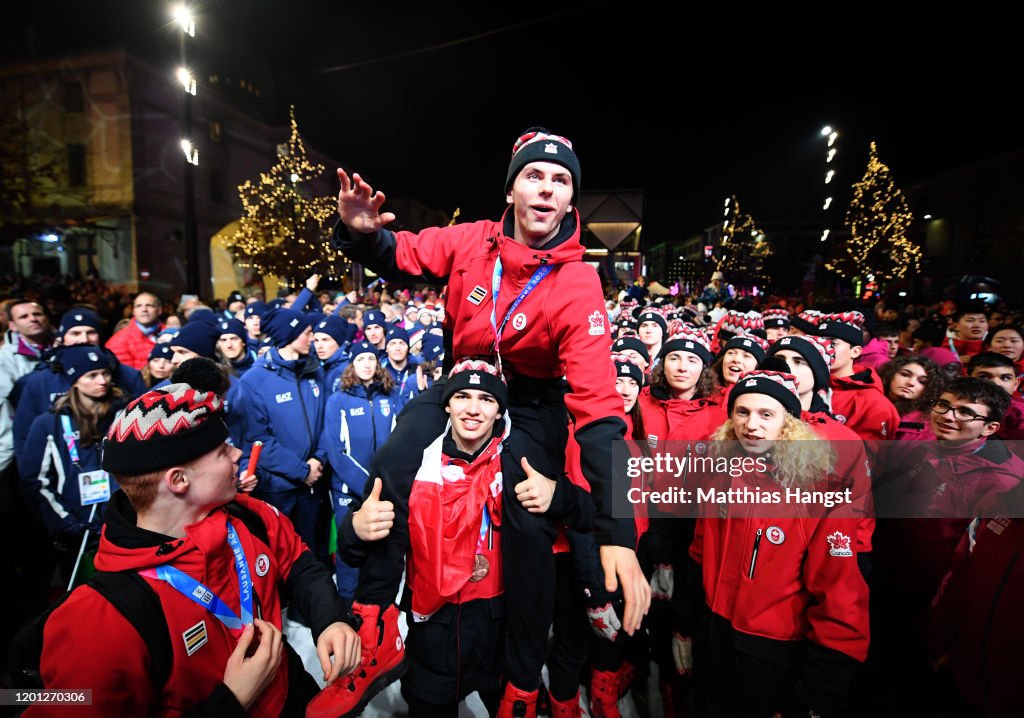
x=744 y=249
x=283 y=230
x=878 y=219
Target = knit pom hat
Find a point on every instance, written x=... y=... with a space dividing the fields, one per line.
x=538 y=145
x=807 y=321
x=233 y=327
x=161 y=351
x=755 y=346
x=363 y=347
x=627 y=366
x=816 y=351
x=78 y=317
x=432 y=348
x=776 y=318
x=736 y=322
x=198 y=337
x=258 y=309
x=163 y=428
x=776 y=384
x=334 y=327
x=82 y=359
x=687 y=340
x=650 y=315
x=284 y=326
x=374 y=317
x=623 y=343
x=476 y=374
x=848 y=326
x=396 y=332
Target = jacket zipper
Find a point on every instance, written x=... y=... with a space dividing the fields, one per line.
x=309 y=431
x=753 y=555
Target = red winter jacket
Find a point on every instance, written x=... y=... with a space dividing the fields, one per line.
x=976 y=615
x=560 y=329
x=859 y=401
x=131 y=346
x=89 y=643
x=1011 y=428
x=915 y=553
x=852 y=467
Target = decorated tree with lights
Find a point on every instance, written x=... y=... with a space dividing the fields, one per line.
x=744 y=249
x=878 y=219
x=283 y=230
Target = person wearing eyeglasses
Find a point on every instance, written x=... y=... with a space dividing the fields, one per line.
x=936 y=492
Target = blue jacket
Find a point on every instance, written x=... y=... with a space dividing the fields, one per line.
x=37 y=391
x=49 y=479
x=357 y=423
x=241 y=366
x=284 y=408
x=334 y=366
x=405 y=379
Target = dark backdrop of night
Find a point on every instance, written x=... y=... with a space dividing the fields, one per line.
x=686 y=103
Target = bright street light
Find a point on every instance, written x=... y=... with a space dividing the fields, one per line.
x=183 y=16
x=191 y=153
x=187 y=81
x=826 y=131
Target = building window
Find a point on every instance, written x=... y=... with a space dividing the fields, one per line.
x=76 y=165
x=217 y=186
x=216 y=129
x=74 y=99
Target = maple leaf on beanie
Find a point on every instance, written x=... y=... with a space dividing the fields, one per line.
x=780 y=385
x=848 y=326
x=626 y=366
x=476 y=374
x=162 y=428
x=539 y=145
x=776 y=318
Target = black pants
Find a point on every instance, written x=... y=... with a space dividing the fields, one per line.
x=538 y=412
x=460 y=650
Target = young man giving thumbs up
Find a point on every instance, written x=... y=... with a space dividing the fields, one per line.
x=445 y=528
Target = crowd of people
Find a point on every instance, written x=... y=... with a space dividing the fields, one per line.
x=444 y=445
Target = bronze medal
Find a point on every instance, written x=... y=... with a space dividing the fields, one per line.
x=480 y=568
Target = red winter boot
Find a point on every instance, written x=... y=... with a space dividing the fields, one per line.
x=604 y=694
x=382 y=662
x=565 y=709
x=516 y=703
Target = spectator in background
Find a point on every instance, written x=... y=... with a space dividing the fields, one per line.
x=133 y=344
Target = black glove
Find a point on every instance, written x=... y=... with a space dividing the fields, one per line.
x=70 y=537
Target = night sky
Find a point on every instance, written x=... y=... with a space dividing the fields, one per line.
x=687 y=103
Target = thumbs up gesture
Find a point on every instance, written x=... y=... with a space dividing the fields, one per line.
x=536 y=492
x=374 y=519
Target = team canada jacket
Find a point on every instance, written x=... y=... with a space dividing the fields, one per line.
x=859 y=401
x=560 y=329
x=357 y=422
x=284 y=408
x=786 y=580
x=88 y=642
x=976 y=616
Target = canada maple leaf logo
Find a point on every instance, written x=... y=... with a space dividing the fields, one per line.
x=596 y=323
x=839 y=544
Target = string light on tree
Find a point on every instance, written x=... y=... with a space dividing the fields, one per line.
x=744 y=249
x=283 y=231
x=878 y=219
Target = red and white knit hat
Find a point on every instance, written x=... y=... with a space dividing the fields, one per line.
x=687 y=340
x=741 y=322
x=848 y=326
x=476 y=374
x=163 y=428
x=776 y=384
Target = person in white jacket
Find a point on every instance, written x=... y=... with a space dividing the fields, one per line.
x=28 y=334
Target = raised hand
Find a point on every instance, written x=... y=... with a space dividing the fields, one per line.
x=359 y=206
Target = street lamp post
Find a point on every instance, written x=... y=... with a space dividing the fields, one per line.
x=186 y=21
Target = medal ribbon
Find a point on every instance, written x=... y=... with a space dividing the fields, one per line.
x=199 y=593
